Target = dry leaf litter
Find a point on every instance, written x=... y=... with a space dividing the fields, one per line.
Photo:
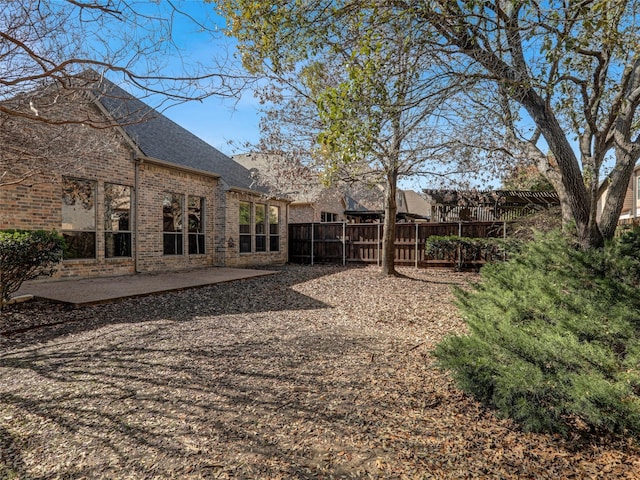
x=313 y=373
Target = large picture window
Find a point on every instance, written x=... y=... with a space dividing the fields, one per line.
x=261 y=227
x=172 y=206
x=79 y=217
x=245 y=227
x=195 y=210
x=274 y=229
x=117 y=220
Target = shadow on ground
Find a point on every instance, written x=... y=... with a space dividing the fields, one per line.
x=260 y=294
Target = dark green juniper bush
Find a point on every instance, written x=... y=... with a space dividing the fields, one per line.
x=554 y=340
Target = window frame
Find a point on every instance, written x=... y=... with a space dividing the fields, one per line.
x=72 y=234
x=274 y=233
x=245 y=244
x=257 y=233
x=114 y=237
x=173 y=237
x=196 y=234
x=260 y=227
x=328 y=217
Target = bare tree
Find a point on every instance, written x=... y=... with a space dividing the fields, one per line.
x=53 y=55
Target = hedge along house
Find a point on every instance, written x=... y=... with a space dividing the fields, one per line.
x=147 y=197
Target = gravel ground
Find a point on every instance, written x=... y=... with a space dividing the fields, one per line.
x=315 y=372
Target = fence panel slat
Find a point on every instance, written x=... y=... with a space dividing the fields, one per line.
x=362 y=241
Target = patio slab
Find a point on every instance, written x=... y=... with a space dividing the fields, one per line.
x=91 y=291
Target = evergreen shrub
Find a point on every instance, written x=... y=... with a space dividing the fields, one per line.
x=25 y=255
x=553 y=337
x=465 y=251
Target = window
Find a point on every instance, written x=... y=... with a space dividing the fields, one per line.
x=79 y=217
x=274 y=229
x=172 y=204
x=261 y=227
x=117 y=220
x=328 y=217
x=245 y=227
x=195 y=210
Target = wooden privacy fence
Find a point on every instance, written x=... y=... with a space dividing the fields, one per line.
x=344 y=243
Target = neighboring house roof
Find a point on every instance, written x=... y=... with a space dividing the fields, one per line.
x=528 y=197
x=353 y=205
x=461 y=198
x=414 y=204
x=159 y=137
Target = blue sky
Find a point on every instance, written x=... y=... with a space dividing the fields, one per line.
x=224 y=123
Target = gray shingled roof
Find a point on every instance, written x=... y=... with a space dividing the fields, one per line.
x=161 y=138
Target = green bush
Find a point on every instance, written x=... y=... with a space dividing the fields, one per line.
x=554 y=337
x=464 y=251
x=25 y=255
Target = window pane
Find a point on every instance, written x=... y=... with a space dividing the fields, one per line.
x=245 y=213
x=274 y=220
x=195 y=207
x=196 y=243
x=245 y=227
x=80 y=244
x=245 y=243
x=172 y=244
x=261 y=214
x=172 y=212
x=79 y=217
x=117 y=208
x=78 y=204
x=117 y=244
x=261 y=243
x=117 y=220
x=274 y=244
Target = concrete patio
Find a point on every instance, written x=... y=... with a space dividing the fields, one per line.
x=91 y=291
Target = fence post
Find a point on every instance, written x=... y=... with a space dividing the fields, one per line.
x=378 y=245
x=312 y=231
x=504 y=230
x=344 y=243
x=417 y=246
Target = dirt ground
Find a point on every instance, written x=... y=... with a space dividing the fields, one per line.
x=312 y=373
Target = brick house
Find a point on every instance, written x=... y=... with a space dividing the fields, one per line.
x=156 y=199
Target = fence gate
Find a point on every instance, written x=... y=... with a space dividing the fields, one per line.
x=342 y=243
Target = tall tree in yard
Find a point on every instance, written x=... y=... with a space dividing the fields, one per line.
x=569 y=69
x=357 y=81
x=46 y=46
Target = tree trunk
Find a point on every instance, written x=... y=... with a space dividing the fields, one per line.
x=572 y=191
x=389 y=230
x=618 y=185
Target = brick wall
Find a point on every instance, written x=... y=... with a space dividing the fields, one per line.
x=154 y=182
x=233 y=257
x=104 y=156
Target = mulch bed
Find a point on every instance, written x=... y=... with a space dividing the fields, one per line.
x=315 y=372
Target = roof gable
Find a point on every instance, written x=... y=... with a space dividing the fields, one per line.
x=159 y=137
